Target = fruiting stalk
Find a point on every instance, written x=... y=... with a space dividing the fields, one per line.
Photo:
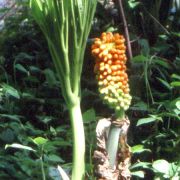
x=110 y=68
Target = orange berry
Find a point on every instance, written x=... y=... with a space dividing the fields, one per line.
x=101 y=76
x=120 y=52
x=114 y=73
x=102 y=47
x=117 y=62
x=118 y=66
x=94 y=46
x=118 y=41
x=109 y=71
x=101 y=68
x=100 y=55
x=112 y=82
x=109 y=78
x=105 y=73
x=109 y=62
x=115 y=56
x=124 y=82
x=105 y=53
x=114 y=68
x=102 y=64
x=116 y=36
x=105 y=82
x=105 y=59
x=109 y=56
x=112 y=51
x=103 y=34
x=120 y=84
x=98 y=42
x=95 y=51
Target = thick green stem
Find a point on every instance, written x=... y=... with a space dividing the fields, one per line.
x=113 y=140
x=79 y=142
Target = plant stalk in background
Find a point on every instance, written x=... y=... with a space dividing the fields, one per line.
x=66 y=25
x=126 y=31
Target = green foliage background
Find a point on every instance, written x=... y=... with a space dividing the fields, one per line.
x=35 y=135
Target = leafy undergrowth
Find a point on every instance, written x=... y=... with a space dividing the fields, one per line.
x=35 y=133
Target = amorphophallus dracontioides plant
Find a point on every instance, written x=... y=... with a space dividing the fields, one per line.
x=66 y=25
x=110 y=68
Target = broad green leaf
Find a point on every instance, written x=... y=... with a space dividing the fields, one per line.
x=111 y=29
x=175 y=84
x=174 y=170
x=139 y=149
x=133 y=3
x=19 y=146
x=161 y=62
x=10 y=90
x=175 y=76
x=176 y=33
x=140 y=106
x=50 y=77
x=89 y=115
x=21 y=68
x=161 y=166
x=145 y=121
x=139 y=59
x=178 y=104
x=55 y=158
x=23 y=56
x=40 y=141
x=139 y=174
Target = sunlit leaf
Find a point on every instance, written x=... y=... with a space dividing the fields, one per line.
x=178 y=104
x=175 y=84
x=19 y=146
x=139 y=149
x=133 y=3
x=175 y=76
x=40 y=141
x=161 y=166
x=11 y=91
x=145 y=121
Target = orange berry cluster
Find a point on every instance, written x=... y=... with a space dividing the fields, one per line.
x=109 y=52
